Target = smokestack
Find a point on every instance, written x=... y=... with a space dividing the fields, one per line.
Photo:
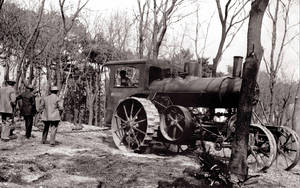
x=193 y=68
x=237 y=66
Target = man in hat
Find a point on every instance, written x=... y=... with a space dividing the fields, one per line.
x=124 y=80
x=7 y=108
x=27 y=108
x=52 y=107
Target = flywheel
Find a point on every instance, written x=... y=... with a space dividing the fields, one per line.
x=175 y=124
x=135 y=122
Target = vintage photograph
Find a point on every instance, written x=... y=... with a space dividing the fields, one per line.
x=149 y=93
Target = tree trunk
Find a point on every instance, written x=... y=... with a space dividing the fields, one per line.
x=217 y=59
x=31 y=73
x=271 y=104
x=91 y=111
x=238 y=161
x=96 y=105
x=75 y=116
x=90 y=99
x=1 y=4
x=59 y=75
x=296 y=113
x=6 y=72
x=49 y=76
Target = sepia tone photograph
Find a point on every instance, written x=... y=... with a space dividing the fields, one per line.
x=149 y=93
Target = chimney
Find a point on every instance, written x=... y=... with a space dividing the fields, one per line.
x=193 y=68
x=237 y=66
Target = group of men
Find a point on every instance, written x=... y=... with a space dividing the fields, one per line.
x=51 y=107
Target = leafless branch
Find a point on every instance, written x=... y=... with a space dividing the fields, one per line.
x=291 y=39
x=29 y=42
x=266 y=64
x=206 y=34
x=1 y=4
x=233 y=36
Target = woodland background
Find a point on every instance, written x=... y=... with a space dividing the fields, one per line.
x=44 y=47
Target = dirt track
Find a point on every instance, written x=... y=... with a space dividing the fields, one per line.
x=89 y=159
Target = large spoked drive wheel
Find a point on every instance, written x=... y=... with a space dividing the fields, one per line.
x=175 y=124
x=262 y=148
x=133 y=124
x=288 y=148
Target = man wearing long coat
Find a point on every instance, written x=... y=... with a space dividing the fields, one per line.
x=7 y=108
x=52 y=107
x=28 y=108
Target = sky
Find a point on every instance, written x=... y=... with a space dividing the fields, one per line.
x=184 y=30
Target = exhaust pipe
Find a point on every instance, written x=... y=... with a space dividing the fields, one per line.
x=193 y=68
x=237 y=66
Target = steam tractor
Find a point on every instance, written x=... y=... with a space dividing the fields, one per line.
x=177 y=107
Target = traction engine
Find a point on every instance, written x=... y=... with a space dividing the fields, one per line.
x=176 y=108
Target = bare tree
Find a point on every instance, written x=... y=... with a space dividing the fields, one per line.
x=275 y=60
x=162 y=13
x=200 y=53
x=238 y=162
x=118 y=30
x=296 y=113
x=143 y=19
x=67 y=25
x=231 y=22
x=30 y=43
x=1 y=4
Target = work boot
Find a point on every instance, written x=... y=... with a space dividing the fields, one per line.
x=5 y=132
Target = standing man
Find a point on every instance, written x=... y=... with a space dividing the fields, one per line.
x=52 y=107
x=7 y=109
x=28 y=108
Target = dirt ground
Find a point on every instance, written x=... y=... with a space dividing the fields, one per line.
x=90 y=159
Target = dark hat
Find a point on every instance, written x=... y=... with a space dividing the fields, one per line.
x=123 y=72
x=30 y=87
x=54 y=88
x=10 y=82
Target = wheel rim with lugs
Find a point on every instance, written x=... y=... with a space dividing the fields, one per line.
x=134 y=123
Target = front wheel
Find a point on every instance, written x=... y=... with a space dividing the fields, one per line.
x=134 y=123
x=261 y=149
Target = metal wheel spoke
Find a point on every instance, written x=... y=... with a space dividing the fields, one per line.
x=137 y=113
x=288 y=144
x=177 y=113
x=174 y=132
x=180 y=117
x=120 y=127
x=121 y=130
x=285 y=159
x=253 y=154
x=137 y=141
x=144 y=133
x=116 y=116
x=131 y=110
x=134 y=123
x=125 y=110
x=286 y=156
x=170 y=117
x=179 y=127
x=140 y=121
x=289 y=136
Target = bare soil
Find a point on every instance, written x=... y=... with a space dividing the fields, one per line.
x=90 y=159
